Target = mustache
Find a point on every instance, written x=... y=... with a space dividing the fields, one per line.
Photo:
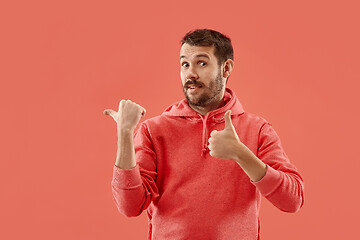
x=192 y=82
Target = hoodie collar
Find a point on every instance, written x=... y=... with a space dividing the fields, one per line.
x=183 y=109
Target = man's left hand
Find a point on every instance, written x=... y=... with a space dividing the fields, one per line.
x=225 y=144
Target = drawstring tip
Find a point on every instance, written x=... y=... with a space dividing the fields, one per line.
x=203 y=151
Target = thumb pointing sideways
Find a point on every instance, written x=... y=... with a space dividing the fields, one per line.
x=227 y=116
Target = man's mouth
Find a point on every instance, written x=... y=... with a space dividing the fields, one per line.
x=192 y=87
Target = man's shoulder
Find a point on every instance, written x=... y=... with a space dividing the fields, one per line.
x=153 y=120
x=253 y=118
x=156 y=121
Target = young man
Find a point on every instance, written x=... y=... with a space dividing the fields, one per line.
x=201 y=167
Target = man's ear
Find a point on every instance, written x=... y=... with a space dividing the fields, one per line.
x=228 y=67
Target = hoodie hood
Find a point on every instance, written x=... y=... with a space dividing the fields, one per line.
x=182 y=109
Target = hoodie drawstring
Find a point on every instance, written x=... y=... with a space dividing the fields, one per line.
x=204 y=136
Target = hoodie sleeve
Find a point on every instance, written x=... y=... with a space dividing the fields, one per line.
x=282 y=184
x=134 y=189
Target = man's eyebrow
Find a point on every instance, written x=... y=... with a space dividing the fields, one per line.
x=197 y=56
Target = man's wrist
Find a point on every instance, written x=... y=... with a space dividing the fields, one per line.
x=250 y=163
x=241 y=153
x=124 y=130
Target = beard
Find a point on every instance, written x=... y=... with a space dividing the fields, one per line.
x=209 y=93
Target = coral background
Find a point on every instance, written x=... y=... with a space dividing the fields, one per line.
x=63 y=62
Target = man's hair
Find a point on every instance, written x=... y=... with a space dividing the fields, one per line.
x=207 y=37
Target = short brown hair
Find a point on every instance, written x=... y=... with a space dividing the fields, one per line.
x=208 y=37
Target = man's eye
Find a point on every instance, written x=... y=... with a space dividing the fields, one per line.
x=202 y=64
x=185 y=64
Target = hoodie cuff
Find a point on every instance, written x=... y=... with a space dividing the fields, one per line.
x=270 y=182
x=127 y=178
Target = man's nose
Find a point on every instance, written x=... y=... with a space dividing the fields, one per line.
x=191 y=73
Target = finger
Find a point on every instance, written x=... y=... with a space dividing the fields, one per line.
x=228 y=123
x=213 y=133
x=143 y=111
x=121 y=104
x=109 y=112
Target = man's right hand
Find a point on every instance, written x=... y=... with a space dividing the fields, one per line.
x=128 y=116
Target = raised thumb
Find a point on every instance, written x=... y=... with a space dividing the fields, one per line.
x=228 y=123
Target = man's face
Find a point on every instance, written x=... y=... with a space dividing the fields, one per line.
x=201 y=75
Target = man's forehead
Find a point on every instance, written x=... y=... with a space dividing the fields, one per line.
x=188 y=51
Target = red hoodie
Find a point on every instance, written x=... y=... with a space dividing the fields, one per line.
x=189 y=194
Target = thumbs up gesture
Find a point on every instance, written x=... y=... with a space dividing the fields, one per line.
x=128 y=116
x=226 y=143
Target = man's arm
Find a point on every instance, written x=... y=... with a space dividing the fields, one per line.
x=251 y=164
x=282 y=184
x=132 y=186
x=270 y=171
x=126 y=119
x=125 y=156
x=226 y=144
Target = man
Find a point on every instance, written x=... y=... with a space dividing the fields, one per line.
x=201 y=167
